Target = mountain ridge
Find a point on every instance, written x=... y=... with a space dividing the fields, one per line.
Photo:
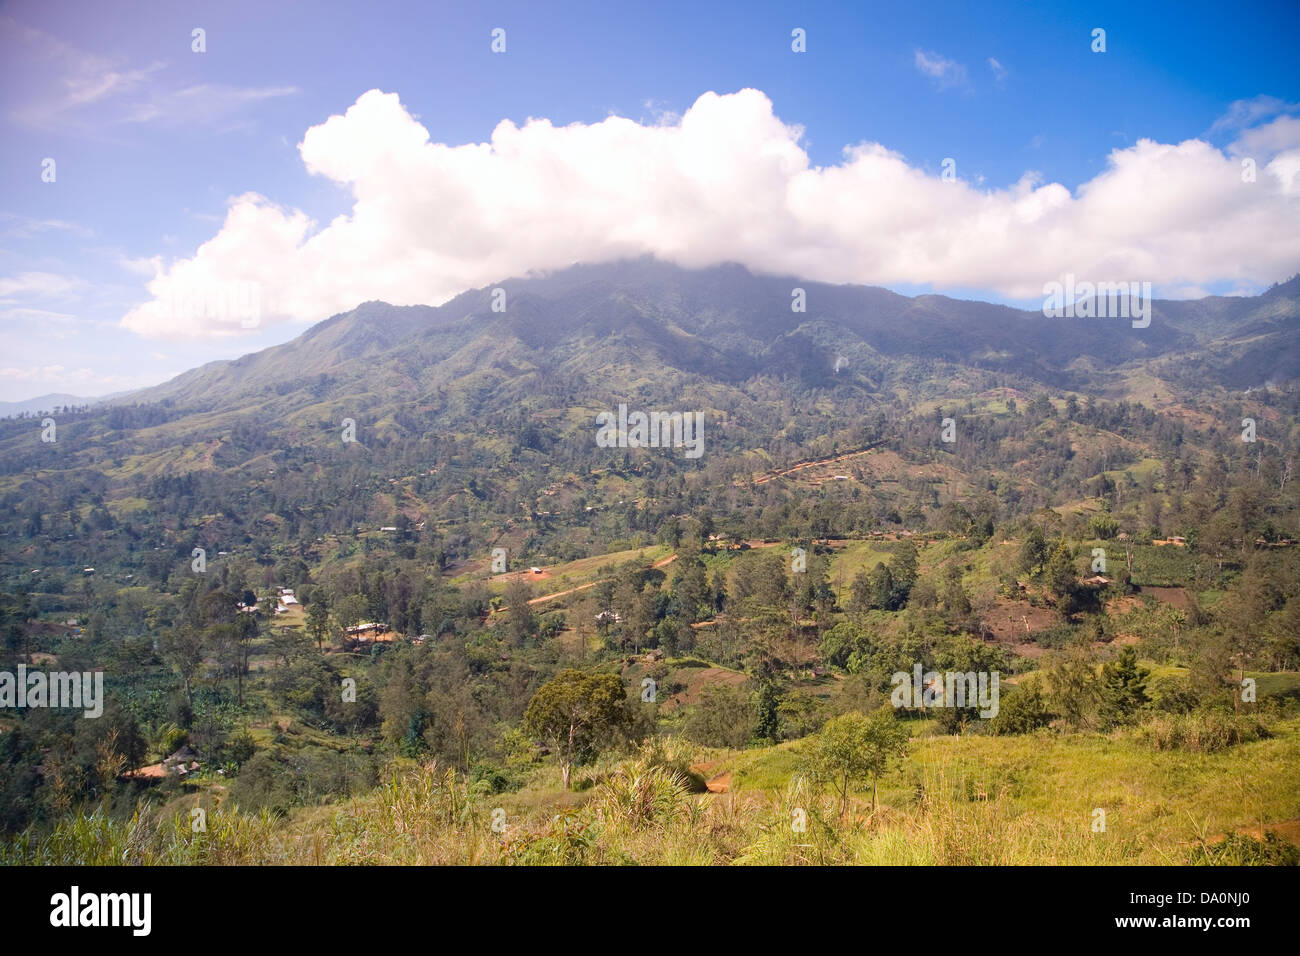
x=731 y=324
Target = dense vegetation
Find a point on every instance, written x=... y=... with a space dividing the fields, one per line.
x=1104 y=540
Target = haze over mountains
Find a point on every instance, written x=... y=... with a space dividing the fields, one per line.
x=45 y=403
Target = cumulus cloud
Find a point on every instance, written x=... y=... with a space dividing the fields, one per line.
x=729 y=181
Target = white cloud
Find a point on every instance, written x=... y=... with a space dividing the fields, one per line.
x=1243 y=114
x=1266 y=130
x=1266 y=142
x=33 y=373
x=59 y=84
x=144 y=266
x=729 y=182
x=38 y=315
x=55 y=85
x=207 y=104
x=59 y=378
x=40 y=284
x=945 y=72
x=24 y=227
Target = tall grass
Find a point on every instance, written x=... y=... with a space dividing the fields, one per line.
x=969 y=800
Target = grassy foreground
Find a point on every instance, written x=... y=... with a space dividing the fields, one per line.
x=955 y=800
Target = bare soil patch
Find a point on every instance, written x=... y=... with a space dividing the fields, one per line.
x=1178 y=597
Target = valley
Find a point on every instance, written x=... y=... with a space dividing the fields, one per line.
x=452 y=609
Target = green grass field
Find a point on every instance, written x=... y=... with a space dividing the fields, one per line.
x=955 y=800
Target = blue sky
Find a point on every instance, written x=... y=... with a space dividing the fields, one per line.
x=151 y=141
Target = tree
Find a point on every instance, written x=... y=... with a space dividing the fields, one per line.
x=348 y=613
x=1061 y=578
x=318 y=619
x=521 y=623
x=577 y=713
x=638 y=619
x=13 y=626
x=266 y=607
x=881 y=588
x=767 y=704
x=224 y=642
x=247 y=632
x=1121 y=690
x=1284 y=635
x=1020 y=712
x=724 y=717
x=1104 y=526
x=1033 y=552
x=691 y=588
x=954 y=518
x=853 y=749
x=953 y=597
x=1072 y=683
x=1211 y=671
x=182 y=649
x=903 y=570
x=860 y=593
x=1122 y=687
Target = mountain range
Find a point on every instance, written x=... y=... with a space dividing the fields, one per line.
x=605 y=328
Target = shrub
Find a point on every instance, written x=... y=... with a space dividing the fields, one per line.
x=854 y=750
x=641 y=794
x=1055 y=637
x=172 y=738
x=239 y=749
x=1020 y=712
x=1202 y=731
x=486 y=778
x=567 y=843
x=1172 y=695
x=724 y=717
x=673 y=755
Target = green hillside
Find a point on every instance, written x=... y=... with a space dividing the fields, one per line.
x=365 y=576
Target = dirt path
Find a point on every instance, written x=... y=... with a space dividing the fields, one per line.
x=661 y=563
x=1288 y=830
x=714 y=782
x=719 y=784
x=558 y=594
x=773 y=475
